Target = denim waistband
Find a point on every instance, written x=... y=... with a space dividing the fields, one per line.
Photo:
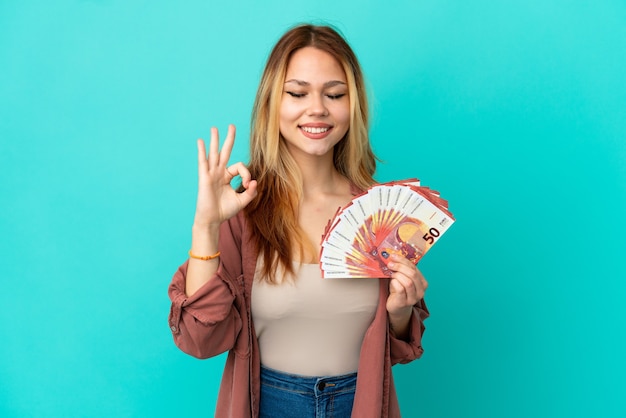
x=313 y=385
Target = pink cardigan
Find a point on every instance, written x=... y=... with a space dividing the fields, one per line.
x=217 y=319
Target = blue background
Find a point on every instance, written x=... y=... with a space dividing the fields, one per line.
x=514 y=110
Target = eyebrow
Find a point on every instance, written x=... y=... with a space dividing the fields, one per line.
x=327 y=84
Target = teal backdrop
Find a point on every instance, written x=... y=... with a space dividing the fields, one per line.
x=514 y=110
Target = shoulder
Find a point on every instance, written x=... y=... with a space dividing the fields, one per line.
x=237 y=226
x=355 y=190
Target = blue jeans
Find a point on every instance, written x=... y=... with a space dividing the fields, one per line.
x=288 y=395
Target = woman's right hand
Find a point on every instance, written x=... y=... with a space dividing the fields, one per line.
x=217 y=200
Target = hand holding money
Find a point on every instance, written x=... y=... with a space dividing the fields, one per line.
x=397 y=218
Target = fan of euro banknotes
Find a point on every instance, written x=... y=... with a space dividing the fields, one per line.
x=400 y=217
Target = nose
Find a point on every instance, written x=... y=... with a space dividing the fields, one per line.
x=317 y=106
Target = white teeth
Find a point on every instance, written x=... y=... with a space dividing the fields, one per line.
x=314 y=130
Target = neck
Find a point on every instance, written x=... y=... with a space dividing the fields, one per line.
x=319 y=174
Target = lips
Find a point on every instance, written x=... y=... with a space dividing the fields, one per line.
x=315 y=130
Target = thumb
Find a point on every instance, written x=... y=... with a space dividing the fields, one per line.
x=395 y=287
x=249 y=193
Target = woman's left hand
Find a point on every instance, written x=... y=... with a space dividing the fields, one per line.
x=406 y=287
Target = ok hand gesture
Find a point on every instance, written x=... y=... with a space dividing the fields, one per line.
x=217 y=200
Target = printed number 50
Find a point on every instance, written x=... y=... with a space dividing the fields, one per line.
x=431 y=235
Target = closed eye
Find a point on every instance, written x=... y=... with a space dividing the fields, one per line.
x=335 y=96
x=294 y=94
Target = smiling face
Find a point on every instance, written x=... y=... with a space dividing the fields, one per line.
x=315 y=107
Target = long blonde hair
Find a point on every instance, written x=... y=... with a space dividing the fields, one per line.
x=273 y=214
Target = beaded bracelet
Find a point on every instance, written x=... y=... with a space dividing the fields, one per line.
x=205 y=258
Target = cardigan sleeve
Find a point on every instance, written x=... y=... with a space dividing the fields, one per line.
x=405 y=351
x=208 y=322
